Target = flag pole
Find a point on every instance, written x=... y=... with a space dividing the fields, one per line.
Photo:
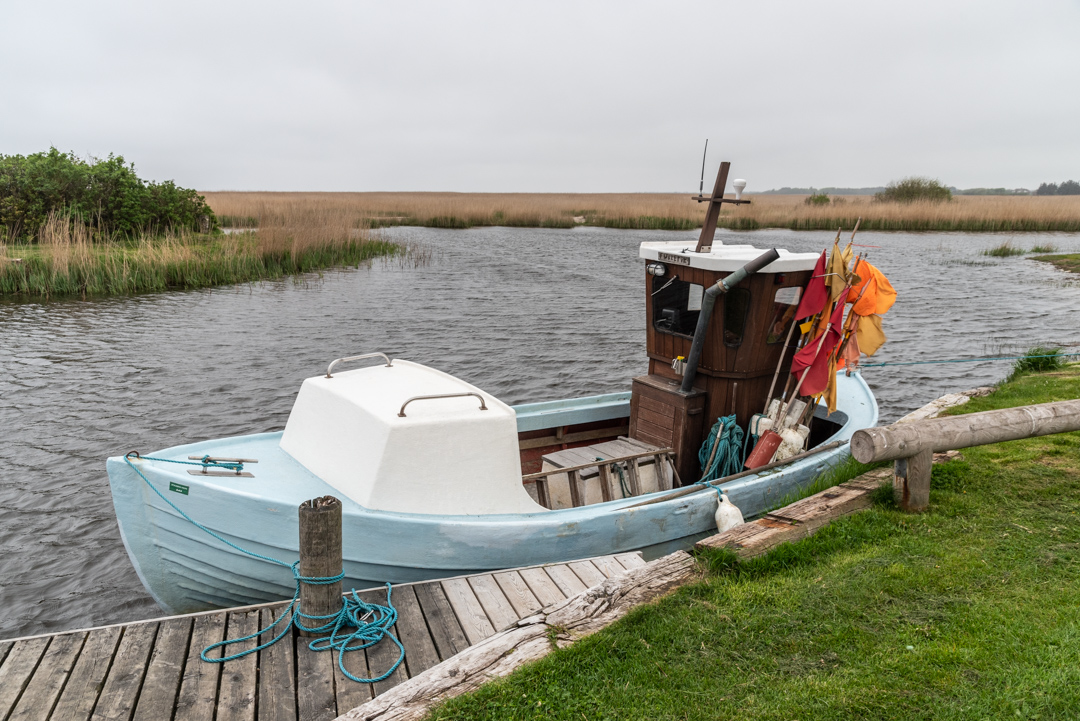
x=779 y=363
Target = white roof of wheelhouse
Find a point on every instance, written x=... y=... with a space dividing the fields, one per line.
x=724 y=258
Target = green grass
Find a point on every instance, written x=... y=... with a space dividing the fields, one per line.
x=845 y=470
x=1004 y=250
x=969 y=611
x=1065 y=261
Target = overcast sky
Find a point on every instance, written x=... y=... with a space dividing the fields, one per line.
x=545 y=96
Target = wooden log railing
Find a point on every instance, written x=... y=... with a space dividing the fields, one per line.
x=661 y=458
x=912 y=445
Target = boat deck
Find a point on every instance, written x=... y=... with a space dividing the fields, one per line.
x=152 y=670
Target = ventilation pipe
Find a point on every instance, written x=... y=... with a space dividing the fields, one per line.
x=708 y=300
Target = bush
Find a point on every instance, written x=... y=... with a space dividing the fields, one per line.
x=1069 y=187
x=1047 y=189
x=105 y=193
x=817 y=199
x=910 y=190
x=1038 y=360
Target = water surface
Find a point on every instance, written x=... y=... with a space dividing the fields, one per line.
x=526 y=314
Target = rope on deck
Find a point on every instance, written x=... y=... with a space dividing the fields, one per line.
x=727 y=439
x=354 y=613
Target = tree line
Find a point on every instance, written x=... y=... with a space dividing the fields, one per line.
x=1069 y=187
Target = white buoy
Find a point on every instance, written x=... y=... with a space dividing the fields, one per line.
x=740 y=185
x=727 y=515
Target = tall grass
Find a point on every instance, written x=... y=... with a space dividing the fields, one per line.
x=1039 y=359
x=69 y=260
x=666 y=211
x=1004 y=250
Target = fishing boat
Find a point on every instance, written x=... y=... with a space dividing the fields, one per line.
x=438 y=478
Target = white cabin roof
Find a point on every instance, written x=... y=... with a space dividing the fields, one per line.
x=724 y=258
x=445 y=456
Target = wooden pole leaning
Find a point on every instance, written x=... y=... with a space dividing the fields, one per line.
x=320 y=557
x=912 y=445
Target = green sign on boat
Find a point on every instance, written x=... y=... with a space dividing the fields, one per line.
x=178 y=488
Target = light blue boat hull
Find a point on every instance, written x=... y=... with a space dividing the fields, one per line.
x=187 y=570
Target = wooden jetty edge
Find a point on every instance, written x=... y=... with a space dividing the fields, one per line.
x=152 y=670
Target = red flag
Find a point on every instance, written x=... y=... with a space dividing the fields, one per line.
x=816 y=292
x=814 y=357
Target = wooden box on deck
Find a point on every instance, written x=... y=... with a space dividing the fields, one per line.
x=663 y=416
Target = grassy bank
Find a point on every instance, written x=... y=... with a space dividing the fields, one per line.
x=69 y=260
x=666 y=211
x=1065 y=261
x=970 y=611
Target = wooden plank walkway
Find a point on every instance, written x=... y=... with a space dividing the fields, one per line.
x=152 y=670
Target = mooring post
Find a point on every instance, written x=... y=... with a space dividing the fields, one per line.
x=320 y=557
x=911 y=481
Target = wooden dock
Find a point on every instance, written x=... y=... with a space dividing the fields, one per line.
x=152 y=670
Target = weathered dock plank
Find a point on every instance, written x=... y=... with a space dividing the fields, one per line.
x=498 y=609
x=382 y=656
x=565 y=579
x=420 y=653
x=43 y=690
x=277 y=681
x=609 y=567
x=470 y=613
x=80 y=694
x=236 y=697
x=199 y=686
x=18 y=667
x=546 y=591
x=166 y=669
x=314 y=682
x=446 y=631
x=121 y=689
x=588 y=573
x=348 y=692
x=518 y=593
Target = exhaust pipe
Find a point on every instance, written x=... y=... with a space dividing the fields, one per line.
x=708 y=300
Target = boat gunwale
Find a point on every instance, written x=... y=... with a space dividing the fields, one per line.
x=546 y=517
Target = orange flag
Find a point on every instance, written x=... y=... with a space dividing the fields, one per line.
x=878 y=294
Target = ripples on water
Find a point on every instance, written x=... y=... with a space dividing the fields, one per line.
x=523 y=313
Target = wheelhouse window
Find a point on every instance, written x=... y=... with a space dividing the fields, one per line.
x=785 y=302
x=676 y=307
x=736 y=306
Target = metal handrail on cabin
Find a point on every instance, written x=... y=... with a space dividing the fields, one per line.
x=389 y=363
x=483 y=406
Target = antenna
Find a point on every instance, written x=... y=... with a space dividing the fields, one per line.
x=701 y=185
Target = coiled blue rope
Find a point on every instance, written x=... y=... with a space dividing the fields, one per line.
x=354 y=612
x=727 y=437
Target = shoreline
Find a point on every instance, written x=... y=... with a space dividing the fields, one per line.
x=1068 y=262
x=661 y=211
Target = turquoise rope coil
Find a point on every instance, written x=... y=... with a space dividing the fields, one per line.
x=727 y=437
x=354 y=612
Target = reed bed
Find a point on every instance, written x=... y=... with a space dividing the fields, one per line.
x=69 y=259
x=667 y=211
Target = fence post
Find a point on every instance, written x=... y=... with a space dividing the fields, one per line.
x=320 y=557
x=911 y=481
